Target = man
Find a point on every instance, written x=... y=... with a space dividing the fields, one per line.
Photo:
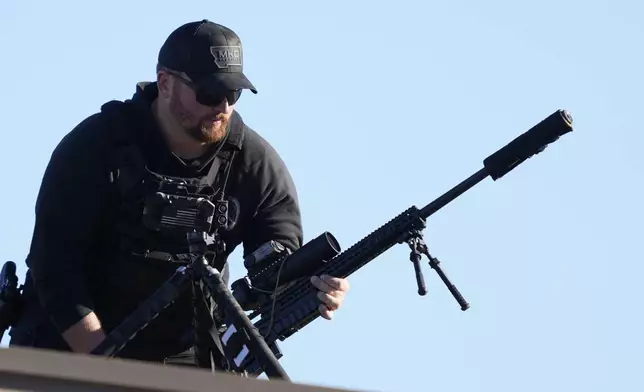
x=93 y=257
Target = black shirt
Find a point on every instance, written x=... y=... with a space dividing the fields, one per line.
x=72 y=207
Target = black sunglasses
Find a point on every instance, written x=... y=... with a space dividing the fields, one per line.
x=209 y=98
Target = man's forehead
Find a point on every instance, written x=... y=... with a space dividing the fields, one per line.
x=172 y=72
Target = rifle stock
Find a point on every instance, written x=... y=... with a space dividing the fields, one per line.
x=296 y=304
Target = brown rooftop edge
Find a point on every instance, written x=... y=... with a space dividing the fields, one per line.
x=40 y=370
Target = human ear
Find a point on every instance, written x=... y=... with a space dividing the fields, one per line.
x=164 y=85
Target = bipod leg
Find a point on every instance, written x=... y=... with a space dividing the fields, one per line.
x=434 y=263
x=414 y=241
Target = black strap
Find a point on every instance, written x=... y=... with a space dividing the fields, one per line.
x=225 y=154
x=126 y=164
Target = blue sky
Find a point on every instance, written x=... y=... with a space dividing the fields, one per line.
x=376 y=106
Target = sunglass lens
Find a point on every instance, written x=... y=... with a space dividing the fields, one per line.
x=214 y=99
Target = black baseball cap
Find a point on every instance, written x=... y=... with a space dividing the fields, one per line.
x=210 y=54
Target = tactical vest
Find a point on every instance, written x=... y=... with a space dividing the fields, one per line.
x=137 y=244
x=133 y=182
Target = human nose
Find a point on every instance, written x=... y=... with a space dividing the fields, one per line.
x=221 y=107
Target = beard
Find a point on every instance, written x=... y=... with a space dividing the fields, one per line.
x=205 y=130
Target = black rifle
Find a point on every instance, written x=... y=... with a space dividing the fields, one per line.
x=278 y=288
x=10 y=297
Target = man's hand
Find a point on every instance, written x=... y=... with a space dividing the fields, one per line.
x=85 y=335
x=332 y=291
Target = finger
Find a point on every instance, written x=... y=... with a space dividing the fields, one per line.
x=336 y=283
x=325 y=288
x=321 y=284
x=325 y=312
x=337 y=294
x=330 y=301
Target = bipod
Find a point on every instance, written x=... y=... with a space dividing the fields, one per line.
x=418 y=248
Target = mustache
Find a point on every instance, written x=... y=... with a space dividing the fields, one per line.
x=218 y=117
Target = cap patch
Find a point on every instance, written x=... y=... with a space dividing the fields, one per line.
x=226 y=56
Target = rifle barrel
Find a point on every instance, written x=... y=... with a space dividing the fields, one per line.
x=453 y=193
x=498 y=164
